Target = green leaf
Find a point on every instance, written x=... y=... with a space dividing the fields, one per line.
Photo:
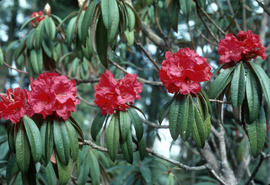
x=34 y=138
x=80 y=25
x=11 y=138
x=220 y=83
x=74 y=67
x=94 y=168
x=124 y=122
x=87 y=19
x=34 y=61
x=22 y=151
x=74 y=143
x=64 y=171
x=50 y=27
x=39 y=34
x=174 y=11
x=1 y=57
x=12 y=167
x=130 y=37
x=61 y=142
x=241 y=150
x=70 y=29
x=46 y=133
x=146 y=173
x=177 y=115
x=199 y=133
x=112 y=137
x=40 y=59
x=142 y=148
x=84 y=171
x=27 y=22
x=97 y=125
x=185 y=6
x=137 y=123
x=128 y=149
x=131 y=18
x=252 y=94
x=77 y=127
x=163 y=113
x=257 y=133
x=110 y=16
x=170 y=180
x=264 y=81
x=102 y=42
x=50 y=174
x=238 y=85
x=190 y=120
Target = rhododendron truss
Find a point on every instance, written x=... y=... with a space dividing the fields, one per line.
x=183 y=71
x=39 y=17
x=244 y=48
x=51 y=94
x=14 y=106
x=112 y=94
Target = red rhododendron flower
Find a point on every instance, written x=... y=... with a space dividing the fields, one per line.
x=246 y=47
x=14 y=105
x=39 y=18
x=183 y=71
x=51 y=93
x=252 y=46
x=229 y=49
x=116 y=95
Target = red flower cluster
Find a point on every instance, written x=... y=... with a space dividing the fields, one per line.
x=248 y=46
x=183 y=71
x=114 y=95
x=51 y=93
x=39 y=18
x=14 y=105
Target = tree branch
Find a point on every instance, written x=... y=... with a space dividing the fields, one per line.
x=263 y=7
x=10 y=67
x=256 y=169
x=151 y=124
x=154 y=83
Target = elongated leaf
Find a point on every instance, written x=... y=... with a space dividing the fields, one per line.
x=238 y=85
x=102 y=42
x=112 y=137
x=50 y=174
x=131 y=18
x=73 y=138
x=50 y=27
x=174 y=12
x=34 y=61
x=64 y=171
x=264 y=81
x=127 y=149
x=12 y=167
x=198 y=130
x=185 y=6
x=177 y=116
x=60 y=144
x=84 y=170
x=253 y=100
x=87 y=19
x=94 y=168
x=137 y=123
x=188 y=130
x=97 y=125
x=22 y=151
x=124 y=122
x=220 y=83
x=142 y=148
x=1 y=57
x=146 y=173
x=257 y=134
x=110 y=16
x=80 y=25
x=39 y=34
x=46 y=133
x=70 y=29
x=34 y=138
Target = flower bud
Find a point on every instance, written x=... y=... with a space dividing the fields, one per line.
x=81 y=2
x=47 y=9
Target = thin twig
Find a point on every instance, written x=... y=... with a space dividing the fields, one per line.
x=149 y=150
x=154 y=83
x=79 y=81
x=148 y=56
x=216 y=176
x=204 y=23
x=10 y=67
x=256 y=169
x=233 y=15
x=210 y=19
x=218 y=101
x=264 y=8
x=85 y=101
x=151 y=124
